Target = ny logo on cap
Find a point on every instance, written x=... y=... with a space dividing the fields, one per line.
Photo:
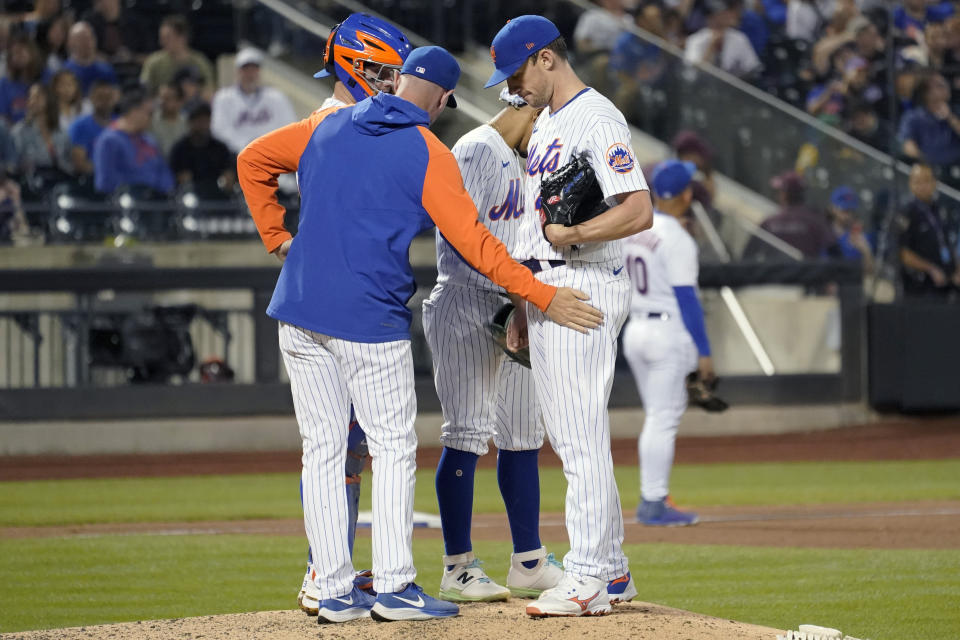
x=421 y=70
x=530 y=45
x=493 y=54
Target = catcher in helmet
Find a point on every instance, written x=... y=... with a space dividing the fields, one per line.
x=362 y=52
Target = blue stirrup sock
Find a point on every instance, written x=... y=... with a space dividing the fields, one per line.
x=519 y=480
x=454 y=484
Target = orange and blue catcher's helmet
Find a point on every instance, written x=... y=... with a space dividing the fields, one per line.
x=362 y=51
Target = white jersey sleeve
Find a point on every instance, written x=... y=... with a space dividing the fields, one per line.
x=613 y=160
x=478 y=164
x=680 y=257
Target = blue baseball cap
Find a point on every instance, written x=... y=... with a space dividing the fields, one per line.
x=671 y=177
x=516 y=41
x=844 y=198
x=436 y=65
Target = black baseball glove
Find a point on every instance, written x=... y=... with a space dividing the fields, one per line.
x=571 y=194
x=700 y=393
x=498 y=329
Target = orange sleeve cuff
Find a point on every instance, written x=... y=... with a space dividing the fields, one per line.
x=449 y=205
x=259 y=165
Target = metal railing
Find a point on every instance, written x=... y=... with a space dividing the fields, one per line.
x=59 y=361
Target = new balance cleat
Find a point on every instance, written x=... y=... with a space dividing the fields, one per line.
x=464 y=581
x=622 y=589
x=410 y=604
x=352 y=606
x=530 y=583
x=309 y=597
x=572 y=597
x=663 y=513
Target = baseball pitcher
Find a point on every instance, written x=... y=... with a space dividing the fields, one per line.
x=573 y=370
x=483 y=393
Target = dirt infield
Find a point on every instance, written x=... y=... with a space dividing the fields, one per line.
x=926 y=525
x=917 y=439
x=477 y=622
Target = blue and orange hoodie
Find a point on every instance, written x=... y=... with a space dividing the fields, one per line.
x=372 y=176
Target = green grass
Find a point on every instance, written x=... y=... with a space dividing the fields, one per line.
x=882 y=595
x=873 y=594
x=65 y=502
x=125 y=578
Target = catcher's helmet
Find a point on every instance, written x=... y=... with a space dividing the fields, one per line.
x=359 y=48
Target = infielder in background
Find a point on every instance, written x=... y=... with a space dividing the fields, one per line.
x=484 y=393
x=372 y=177
x=362 y=52
x=665 y=335
x=573 y=371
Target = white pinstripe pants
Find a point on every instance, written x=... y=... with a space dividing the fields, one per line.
x=483 y=393
x=325 y=374
x=573 y=373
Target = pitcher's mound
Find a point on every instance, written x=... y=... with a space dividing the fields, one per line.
x=497 y=621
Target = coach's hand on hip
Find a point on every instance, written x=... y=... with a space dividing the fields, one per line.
x=567 y=310
x=282 y=251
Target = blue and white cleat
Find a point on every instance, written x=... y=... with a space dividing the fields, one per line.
x=352 y=606
x=410 y=604
x=364 y=581
x=662 y=513
x=622 y=589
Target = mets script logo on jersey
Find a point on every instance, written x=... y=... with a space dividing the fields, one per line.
x=511 y=207
x=547 y=162
x=619 y=158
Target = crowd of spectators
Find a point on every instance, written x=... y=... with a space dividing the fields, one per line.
x=85 y=102
x=925 y=232
x=828 y=57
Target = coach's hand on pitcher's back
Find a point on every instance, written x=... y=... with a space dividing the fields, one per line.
x=568 y=310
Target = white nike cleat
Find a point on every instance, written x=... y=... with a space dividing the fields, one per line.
x=530 y=583
x=467 y=582
x=572 y=597
x=309 y=597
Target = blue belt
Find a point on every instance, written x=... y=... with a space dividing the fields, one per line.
x=536 y=266
x=657 y=315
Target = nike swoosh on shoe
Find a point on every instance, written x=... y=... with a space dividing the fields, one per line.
x=413 y=603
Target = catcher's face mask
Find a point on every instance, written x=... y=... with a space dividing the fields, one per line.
x=378 y=77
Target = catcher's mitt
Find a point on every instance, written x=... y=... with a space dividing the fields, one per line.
x=498 y=329
x=700 y=393
x=571 y=194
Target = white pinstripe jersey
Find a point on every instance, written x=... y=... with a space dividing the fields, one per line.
x=659 y=259
x=493 y=177
x=587 y=123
